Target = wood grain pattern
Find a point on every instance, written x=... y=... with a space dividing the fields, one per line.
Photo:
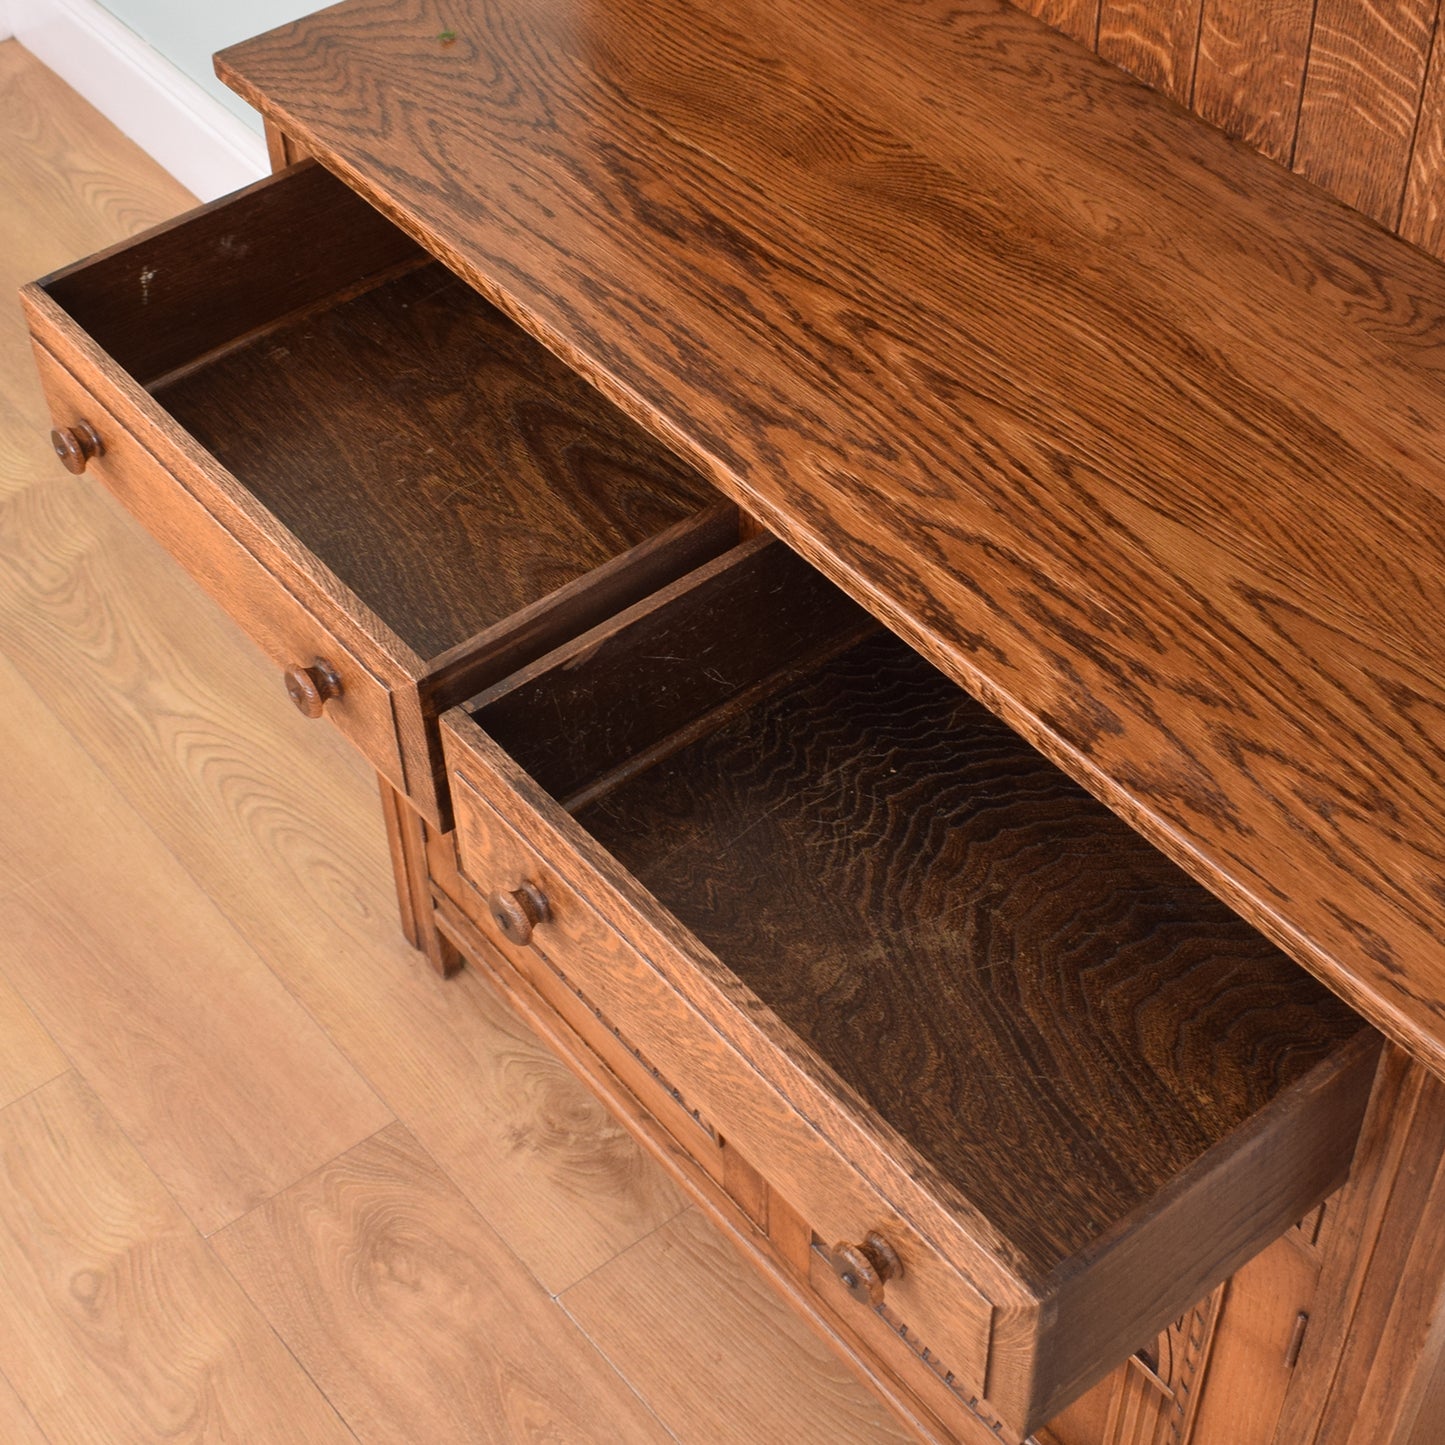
x=441 y=463
x=1146 y=502
x=685 y=1284
x=192 y=1043
x=90 y=185
x=235 y=266
x=1097 y=1020
x=116 y=1322
x=763 y=1099
x=645 y=678
x=65 y=163
x=848 y=1170
x=1370 y=1371
x=274 y=617
x=1362 y=98
x=1251 y=1366
x=1157 y=40
x=396 y=1296
x=1249 y=79
x=17 y=1424
x=28 y=1055
x=1422 y=218
x=278 y=826
x=370 y=489
x=1249 y=74
x=1078 y=18
x=282 y=834
x=774 y=1257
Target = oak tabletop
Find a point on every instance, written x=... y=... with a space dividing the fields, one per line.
x=1128 y=430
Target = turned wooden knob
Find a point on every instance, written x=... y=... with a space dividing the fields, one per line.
x=75 y=445
x=865 y=1268
x=518 y=911
x=311 y=688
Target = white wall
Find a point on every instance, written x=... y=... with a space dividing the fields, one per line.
x=146 y=65
x=189 y=32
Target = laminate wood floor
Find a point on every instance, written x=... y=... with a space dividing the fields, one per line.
x=263 y=1177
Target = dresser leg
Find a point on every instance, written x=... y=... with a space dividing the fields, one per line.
x=1374 y=1372
x=413 y=882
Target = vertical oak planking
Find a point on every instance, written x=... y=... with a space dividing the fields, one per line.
x=1361 y=99
x=1352 y=92
x=1250 y=72
x=1078 y=18
x=1154 y=39
x=1423 y=217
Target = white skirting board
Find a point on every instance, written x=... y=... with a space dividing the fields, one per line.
x=182 y=127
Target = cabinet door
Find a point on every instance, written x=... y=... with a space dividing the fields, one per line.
x=1219 y=1374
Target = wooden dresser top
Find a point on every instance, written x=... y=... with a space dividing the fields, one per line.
x=1128 y=430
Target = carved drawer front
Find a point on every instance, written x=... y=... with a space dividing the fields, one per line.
x=1035 y=1090
x=466 y=917
x=745 y=1107
x=303 y=405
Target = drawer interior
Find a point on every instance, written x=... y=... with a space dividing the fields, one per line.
x=443 y=465
x=1052 y=1015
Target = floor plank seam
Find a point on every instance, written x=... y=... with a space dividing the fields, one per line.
x=301 y=1179
x=46 y=1083
x=9 y=1384
x=621 y=1254
x=261 y=1315
x=618 y=1371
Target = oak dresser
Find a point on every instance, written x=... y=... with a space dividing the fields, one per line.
x=886 y=573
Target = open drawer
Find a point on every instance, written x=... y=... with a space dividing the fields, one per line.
x=395 y=491
x=1035 y=1089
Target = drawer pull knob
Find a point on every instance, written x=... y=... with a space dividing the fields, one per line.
x=518 y=911
x=311 y=688
x=865 y=1268
x=76 y=445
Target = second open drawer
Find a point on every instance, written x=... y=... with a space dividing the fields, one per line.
x=1035 y=1089
x=394 y=490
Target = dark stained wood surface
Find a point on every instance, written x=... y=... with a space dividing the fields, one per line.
x=662 y=668
x=1040 y=1002
x=160 y=300
x=1127 y=430
x=447 y=468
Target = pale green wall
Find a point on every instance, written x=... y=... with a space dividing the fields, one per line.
x=188 y=32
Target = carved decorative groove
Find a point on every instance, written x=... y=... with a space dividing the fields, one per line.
x=659 y=1078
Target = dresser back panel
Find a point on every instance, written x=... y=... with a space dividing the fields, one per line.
x=1350 y=95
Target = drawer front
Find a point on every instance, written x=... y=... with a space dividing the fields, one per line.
x=257 y=600
x=839 y=1204
x=463 y=914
